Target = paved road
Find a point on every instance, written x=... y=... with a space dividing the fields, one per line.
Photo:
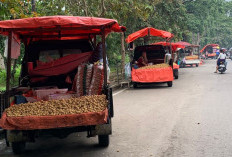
x=191 y=119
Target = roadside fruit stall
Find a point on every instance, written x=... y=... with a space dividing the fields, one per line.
x=209 y=51
x=159 y=68
x=175 y=54
x=63 y=87
x=189 y=55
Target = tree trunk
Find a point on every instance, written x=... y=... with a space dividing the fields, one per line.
x=193 y=38
x=198 y=38
x=85 y=7
x=33 y=5
x=122 y=53
x=2 y=63
x=103 y=8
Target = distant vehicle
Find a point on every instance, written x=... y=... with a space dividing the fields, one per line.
x=209 y=51
x=189 y=56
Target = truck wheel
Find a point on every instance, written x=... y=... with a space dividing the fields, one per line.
x=176 y=73
x=135 y=85
x=169 y=84
x=104 y=140
x=111 y=103
x=197 y=65
x=18 y=147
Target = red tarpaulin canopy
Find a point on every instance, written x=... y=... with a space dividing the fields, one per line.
x=54 y=27
x=174 y=45
x=149 y=31
x=211 y=45
x=183 y=43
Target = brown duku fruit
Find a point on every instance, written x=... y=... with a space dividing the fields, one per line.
x=163 y=65
x=84 y=104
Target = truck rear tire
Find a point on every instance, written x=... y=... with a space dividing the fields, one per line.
x=104 y=140
x=169 y=84
x=18 y=147
x=176 y=73
x=197 y=65
x=135 y=85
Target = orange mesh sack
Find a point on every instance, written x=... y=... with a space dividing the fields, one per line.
x=88 y=77
x=97 y=80
x=79 y=81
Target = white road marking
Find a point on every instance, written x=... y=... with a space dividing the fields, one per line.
x=119 y=92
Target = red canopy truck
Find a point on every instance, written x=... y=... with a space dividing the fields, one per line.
x=209 y=51
x=57 y=68
x=159 y=73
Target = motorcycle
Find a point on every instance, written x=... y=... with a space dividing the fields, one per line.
x=222 y=67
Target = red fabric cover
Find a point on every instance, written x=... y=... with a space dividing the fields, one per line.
x=62 y=65
x=51 y=122
x=15 y=47
x=183 y=43
x=212 y=45
x=152 y=75
x=176 y=66
x=174 y=45
x=145 y=31
x=62 y=22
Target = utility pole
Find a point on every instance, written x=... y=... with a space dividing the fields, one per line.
x=33 y=5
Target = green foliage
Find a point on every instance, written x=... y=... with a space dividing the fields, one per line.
x=211 y=19
x=3 y=78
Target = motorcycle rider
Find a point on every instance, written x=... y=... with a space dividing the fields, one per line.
x=221 y=58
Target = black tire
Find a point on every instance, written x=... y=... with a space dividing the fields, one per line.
x=197 y=65
x=135 y=85
x=111 y=103
x=169 y=84
x=176 y=73
x=103 y=140
x=18 y=147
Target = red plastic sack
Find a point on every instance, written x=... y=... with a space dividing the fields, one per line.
x=176 y=66
x=152 y=75
x=52 y=122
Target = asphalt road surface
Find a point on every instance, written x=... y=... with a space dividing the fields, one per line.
x=191 y=119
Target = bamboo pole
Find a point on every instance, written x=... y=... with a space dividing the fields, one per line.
x=104 y=57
